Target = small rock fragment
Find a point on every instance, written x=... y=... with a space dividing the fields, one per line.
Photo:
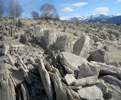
x=70 y=79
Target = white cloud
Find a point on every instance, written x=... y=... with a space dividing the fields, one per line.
x=73 y=6
x=67 y=9
x=79 y=4
x=119 y=0
x=101 y=10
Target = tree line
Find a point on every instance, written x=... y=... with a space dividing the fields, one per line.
x=15 y=10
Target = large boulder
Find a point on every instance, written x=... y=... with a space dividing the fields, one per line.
x=70 y=61
x=109 y=53
x=65 y=43
x=85 y=71
x=86 y=81
x=82 y=46
x=97 y=55
x=91 y=93
x=48 y=38
x=4 y=48
x=113 y=85
x=7 y=89
x=112 y=80
x=113 y=55
x=86 y=75
x=106 y=69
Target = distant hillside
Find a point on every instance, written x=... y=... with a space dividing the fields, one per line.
x=115 y=20
x=106 y=19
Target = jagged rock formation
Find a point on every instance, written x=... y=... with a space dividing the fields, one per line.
x=55 y=60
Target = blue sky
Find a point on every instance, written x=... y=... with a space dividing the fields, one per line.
x=71 y=8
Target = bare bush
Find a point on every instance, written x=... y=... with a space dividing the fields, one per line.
x=35 y=15
x=48 y=11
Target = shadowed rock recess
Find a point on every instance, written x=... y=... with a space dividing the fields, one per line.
x=59 y=60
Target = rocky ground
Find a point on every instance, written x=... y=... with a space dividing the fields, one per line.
x=58 y=60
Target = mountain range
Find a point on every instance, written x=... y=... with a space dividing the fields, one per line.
x=99 y=18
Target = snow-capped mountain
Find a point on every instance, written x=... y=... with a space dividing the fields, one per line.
x=99 y=18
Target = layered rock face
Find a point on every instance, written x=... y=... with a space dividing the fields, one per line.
x=55 y=60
